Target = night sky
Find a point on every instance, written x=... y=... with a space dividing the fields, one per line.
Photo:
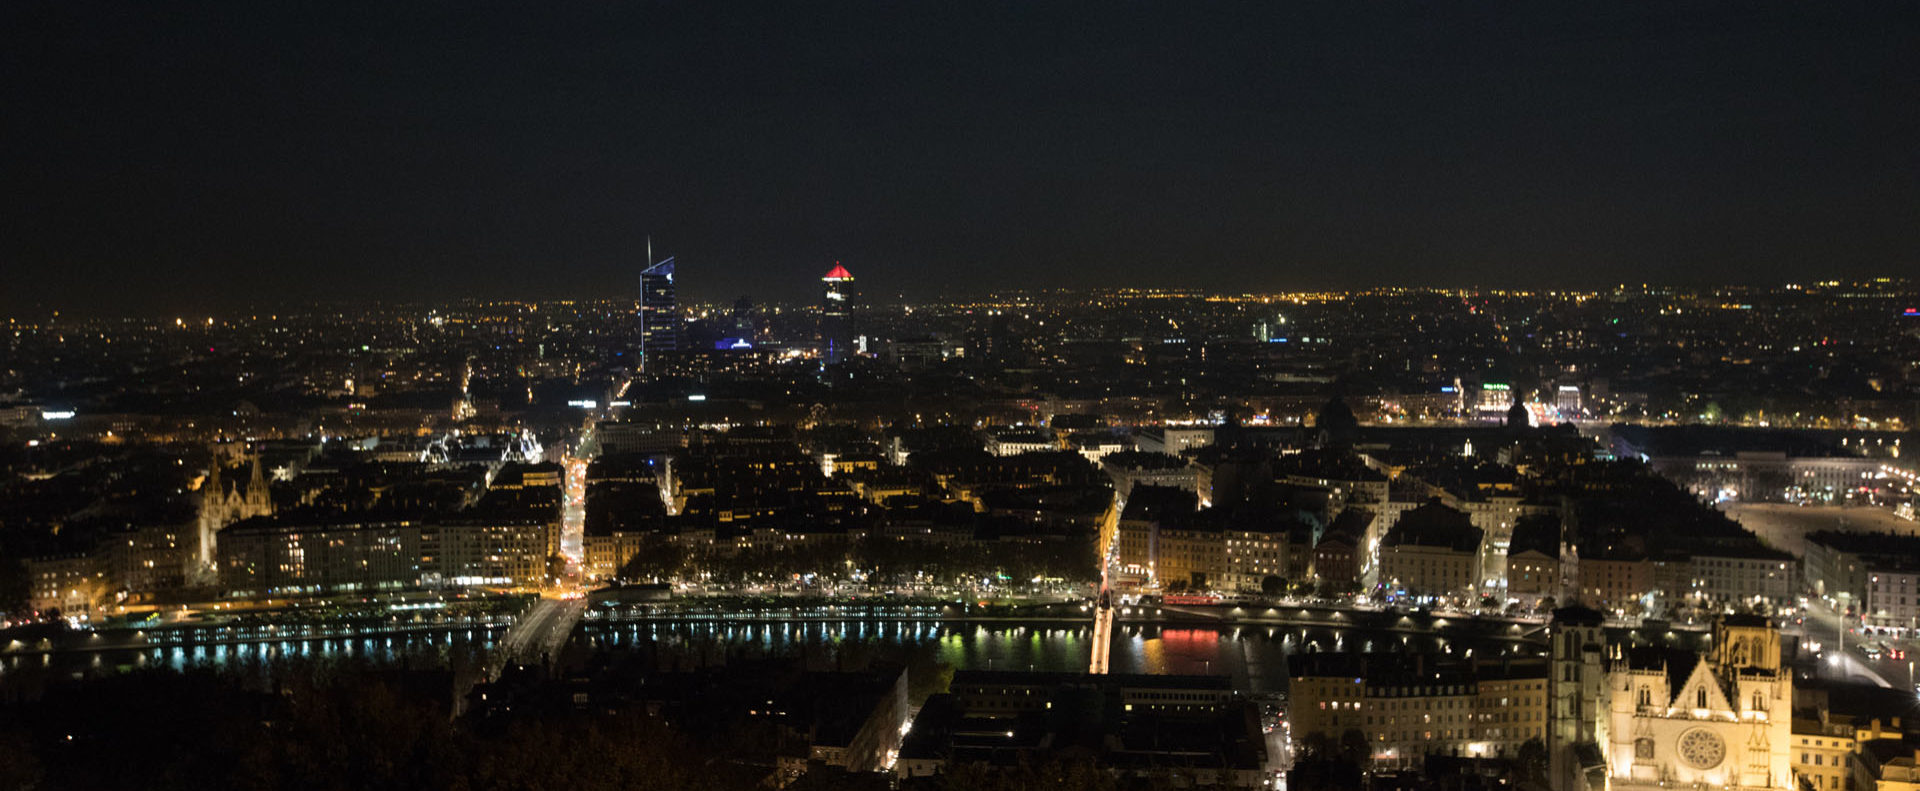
x=162 y=156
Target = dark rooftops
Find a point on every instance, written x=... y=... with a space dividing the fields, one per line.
x=1882 y=551
x=1400 y=669
x=1536 y=534
x=1435 y=525
x=1351 y=525
x=1696 y=440
x=1143 y=460
x=1151 y=503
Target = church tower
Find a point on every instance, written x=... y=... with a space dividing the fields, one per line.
x=1577 y=715
x=213 y=509
x=1746 y=653
x=221 y=505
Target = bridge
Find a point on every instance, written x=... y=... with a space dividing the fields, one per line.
x=538 y=635
x=1103 y=606
x=1102 y=632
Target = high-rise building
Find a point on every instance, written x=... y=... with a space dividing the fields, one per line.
x=745 y=319
x=836 y=308
x=659 y=313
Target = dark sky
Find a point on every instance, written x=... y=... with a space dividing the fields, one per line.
x=183 y=156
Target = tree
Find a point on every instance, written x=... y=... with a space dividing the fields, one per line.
x=1317 y=746
x=1321 y=773
x=19 y=767
x=1532 y=758
x=657 y=560
x=1273 y=585
x=1354 y=747
x=1071 y=770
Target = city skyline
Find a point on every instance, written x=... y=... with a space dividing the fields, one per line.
x=1892 y=287
x=1573 y=539
x=972 y=396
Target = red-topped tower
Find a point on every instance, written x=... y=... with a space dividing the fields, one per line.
x=836 y=309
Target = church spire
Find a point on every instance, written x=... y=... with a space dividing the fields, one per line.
x=211 y=487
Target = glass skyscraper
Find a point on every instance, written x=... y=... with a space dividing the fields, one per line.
x=659 y=313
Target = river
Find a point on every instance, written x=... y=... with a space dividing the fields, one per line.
x=1254 y=655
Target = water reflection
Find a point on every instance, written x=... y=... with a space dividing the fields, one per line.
x=1255 y=656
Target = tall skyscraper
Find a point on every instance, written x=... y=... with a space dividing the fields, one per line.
x=659 y=313
x=836 y=308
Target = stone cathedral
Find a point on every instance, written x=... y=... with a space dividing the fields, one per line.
x=1723 y=718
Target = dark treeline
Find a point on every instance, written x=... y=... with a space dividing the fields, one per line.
x=356 y=728
x=351 y=729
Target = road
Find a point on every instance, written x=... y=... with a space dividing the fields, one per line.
x=539 y=634
x=573 y=515
x=1824 y=628
x=1785 y=527
x=1279 y=736
x=1102 y=635
x=1103 y=610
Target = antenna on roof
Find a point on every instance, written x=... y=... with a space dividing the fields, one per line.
x=649 y=249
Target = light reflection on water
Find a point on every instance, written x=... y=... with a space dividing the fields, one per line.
x=1252 y=655
x=24 y=672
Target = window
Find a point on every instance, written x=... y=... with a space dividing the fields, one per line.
x=1700 y=697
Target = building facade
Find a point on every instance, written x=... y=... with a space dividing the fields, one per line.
x=1533 y=575
x=266 y=557
x=1720 y=719
x=1610 y=583
x=1875 y=575
x=1823 y=754
x=1411 y=707
x=1433 y=551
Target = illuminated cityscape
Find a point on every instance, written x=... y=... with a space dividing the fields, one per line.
x=1018 y=508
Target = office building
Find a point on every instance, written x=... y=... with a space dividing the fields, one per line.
x=836 y=314
x=659 y=313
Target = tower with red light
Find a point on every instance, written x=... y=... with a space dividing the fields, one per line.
x=836 y=313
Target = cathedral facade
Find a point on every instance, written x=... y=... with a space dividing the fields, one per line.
x=222 y=504
x=1722 y=719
